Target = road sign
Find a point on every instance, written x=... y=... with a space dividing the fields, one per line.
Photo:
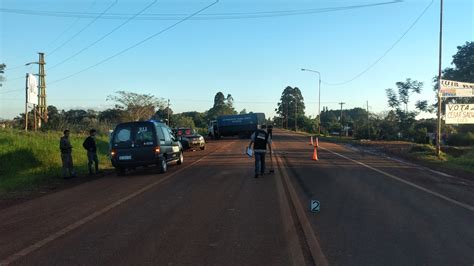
x=459 y=113
x=315 y=206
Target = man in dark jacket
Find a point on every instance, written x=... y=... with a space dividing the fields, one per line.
x=260 y=141
x=90 y=146
x=66 y=155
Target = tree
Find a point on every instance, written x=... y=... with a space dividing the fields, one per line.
x=222 y=106
x=291 y=106
x=2 y=71
x=399 y=103
x=243 y=112
x=180 y=120
x=139 y=106
x=113 y=116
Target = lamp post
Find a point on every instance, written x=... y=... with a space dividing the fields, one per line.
x=319 y=97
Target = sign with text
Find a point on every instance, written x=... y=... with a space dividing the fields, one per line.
x=451 y=88
x=459 y=113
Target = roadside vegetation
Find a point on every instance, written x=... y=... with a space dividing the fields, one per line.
x=29 y=160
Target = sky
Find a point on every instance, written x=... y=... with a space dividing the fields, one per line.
x=242 y=48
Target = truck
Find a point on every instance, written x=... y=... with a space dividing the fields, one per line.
x=236 y=125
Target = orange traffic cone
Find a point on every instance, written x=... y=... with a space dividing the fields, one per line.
x=315 y=154
x=311 y=142
x=317 y=143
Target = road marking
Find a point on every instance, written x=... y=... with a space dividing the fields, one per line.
x=460 y=204
x=314 y=246
x=69 y=228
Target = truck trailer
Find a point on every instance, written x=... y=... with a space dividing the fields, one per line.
x=236 y=125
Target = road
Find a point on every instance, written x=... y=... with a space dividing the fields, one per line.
x=211 y=211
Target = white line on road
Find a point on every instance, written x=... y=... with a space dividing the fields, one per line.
x=69 y=228
x=463 y=205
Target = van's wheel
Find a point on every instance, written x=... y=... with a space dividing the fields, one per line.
x=181 y=158
x=202 y=148
x=162 y=166
x=120 y=171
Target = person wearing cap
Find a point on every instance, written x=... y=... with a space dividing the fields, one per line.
x=91 y=147
x=66 y=155
x=260 y=140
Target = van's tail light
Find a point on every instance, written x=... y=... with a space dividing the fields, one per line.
x=157 y=149
x=113 y=152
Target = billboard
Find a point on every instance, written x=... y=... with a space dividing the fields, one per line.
x=451 y=88
x=32 y=89
x=459 y=113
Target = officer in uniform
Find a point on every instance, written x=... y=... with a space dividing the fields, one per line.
x=90 y=146
x=66 y=155
x=260 y=140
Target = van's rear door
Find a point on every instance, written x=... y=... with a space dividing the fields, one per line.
x=144 y=142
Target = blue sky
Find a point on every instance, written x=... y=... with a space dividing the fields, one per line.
x=252 y=59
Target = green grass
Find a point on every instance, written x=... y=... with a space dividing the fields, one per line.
x=31 y=159
x=427 y=153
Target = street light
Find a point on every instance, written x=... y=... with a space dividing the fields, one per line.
x=319 y=97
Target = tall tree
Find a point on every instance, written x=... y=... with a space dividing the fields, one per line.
x=138 y=106
x=291 y=107
x=399 y=103
x=2 y=71
x=222 y=106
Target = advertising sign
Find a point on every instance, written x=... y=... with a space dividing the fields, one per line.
x=32 y=93
x=459 y=113
x=451 y=88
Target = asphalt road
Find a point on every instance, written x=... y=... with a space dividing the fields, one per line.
x=211 y=211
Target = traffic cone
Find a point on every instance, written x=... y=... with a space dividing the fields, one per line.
x=317 y=143
x=311 y=142
x=315 y=154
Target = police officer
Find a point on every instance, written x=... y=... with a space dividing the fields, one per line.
x=260 y=140
x=66 y=155
x=90 y=146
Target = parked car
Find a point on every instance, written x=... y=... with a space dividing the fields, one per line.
x=190 y=139
x=135 y=144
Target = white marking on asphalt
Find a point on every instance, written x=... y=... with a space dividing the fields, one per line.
x=463 y=205
x=69 y=228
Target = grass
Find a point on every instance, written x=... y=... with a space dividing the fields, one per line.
x=32 y=159
x=450 y=160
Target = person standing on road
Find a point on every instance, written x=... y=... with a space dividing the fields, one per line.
x=66 y=155
x=90 y=146
x=270 y=131
x=260 y=140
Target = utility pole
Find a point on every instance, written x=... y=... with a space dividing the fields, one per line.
x=438 y=137
x=296 y=115
x=26 y=102
x=368 y=121
x=342 y=126
x=287 y=115
x=42 y=106
x=168 y=112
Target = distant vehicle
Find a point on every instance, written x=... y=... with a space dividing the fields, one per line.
x=135 y=144
x=236 y=125
x=190 y=139
x=212 y=129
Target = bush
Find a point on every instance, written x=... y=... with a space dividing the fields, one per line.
x=460 y=139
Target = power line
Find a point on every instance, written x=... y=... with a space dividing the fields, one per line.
x=83 y=28
x=104 y=36
x=386 y=52
x=136 y=44
x=211 y=16
x=70 y=26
